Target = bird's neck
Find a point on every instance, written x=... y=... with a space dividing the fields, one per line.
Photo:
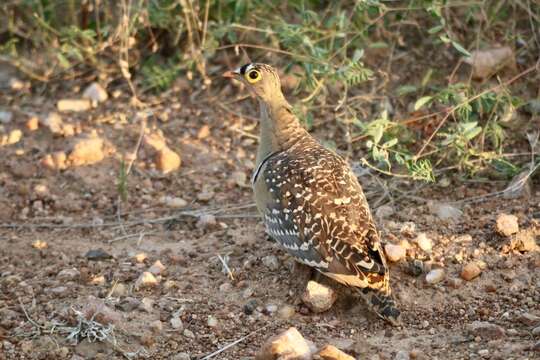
x=279 y=128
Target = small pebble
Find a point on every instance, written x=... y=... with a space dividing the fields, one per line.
x=289 y=344
x=330 y=352
x=317 y=297
x=97 y=255
x=394 y=253
x=68 y=274
x=271 y=262
x=212 y=321
x=156 y=268
x=188 y=333
x=140 y=257
x=176 y=323
x=40 y=244
x=286 y=312
x=424 y=242
x=146 y=279
x=506 y=224
x=435 y=276
x=470 y=271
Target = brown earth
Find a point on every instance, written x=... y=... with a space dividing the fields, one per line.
x=77 y=209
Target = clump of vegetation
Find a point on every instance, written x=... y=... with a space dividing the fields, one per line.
x=429 y=117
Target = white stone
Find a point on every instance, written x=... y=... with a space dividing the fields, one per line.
x=318 y=297
x=394 y=253
x=146 y=279
x=424 y=242
x=435 y=276
x=95 y=92
x=287 y=345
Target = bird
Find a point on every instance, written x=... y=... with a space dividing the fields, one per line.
x=310 y=200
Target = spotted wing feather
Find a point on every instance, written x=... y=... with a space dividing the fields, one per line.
x=318 y=213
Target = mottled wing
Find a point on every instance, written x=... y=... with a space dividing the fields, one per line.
x=319 y=214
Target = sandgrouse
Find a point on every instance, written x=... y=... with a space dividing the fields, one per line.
x=311 y=201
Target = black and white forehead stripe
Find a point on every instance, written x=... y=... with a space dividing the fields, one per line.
x=245 y=68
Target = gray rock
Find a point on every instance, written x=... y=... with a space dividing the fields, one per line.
x=97 y=255
x=271 y=262
x=95 y=93
x=5 y=117
x=486 y=330
x=68 y=274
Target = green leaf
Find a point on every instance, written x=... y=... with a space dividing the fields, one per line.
x=390 y=143
x=421 y=102
x=435 y=29
x=405 y=89
x=461 y=49
x=64 y=62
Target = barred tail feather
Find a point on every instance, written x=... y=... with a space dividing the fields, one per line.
x=383 y=304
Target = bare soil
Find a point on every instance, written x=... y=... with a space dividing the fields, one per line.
x=79 y=209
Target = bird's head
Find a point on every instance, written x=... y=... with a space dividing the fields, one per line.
x=261 y=79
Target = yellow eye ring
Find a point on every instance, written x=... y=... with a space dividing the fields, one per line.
x=253 y=76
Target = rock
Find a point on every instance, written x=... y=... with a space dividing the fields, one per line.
x=87 y=151
x=176 y=323
x=91 y=350
x=156 y=326
x=455 y=282
x=55 y=161
x=470 y=271
x=13 y=137
x=156 y=268
x=289 y=345
x=140 y=257
x=225 y=287
x=483 y=353
x=424 y=242
x=203 y=133
x=188 y=333
x=173 y=202
x=98 y=280
x=394 y=253
x=384 y=211
x=486 y=330
x=40 y=244
x=32 y=124
x=250 y=306
x=286 y=312
x=402 y=355
x=435 y=276
x=95 y=93
x=206 y=222
x=96 y=309
x=167 y=160
x=97 y=255
x=524 y=241
x=529 y=319
x=318 y=297
x=330 y=352
x=68 y=274
x=487 y=62
x=73 y=105
x=119 y=290
x=408 y=229
x=181 y=356
x=59 y=291
x=146 y=280
x=5 y=117
x=444 y=211
x=536 y=347
x=146 y=305
x=128 y=304
x=53 y=121
x=507 y=225
x=271 y=262
x=212 y=321
x=536 y=331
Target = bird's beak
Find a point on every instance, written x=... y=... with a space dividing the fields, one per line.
x=232 y=73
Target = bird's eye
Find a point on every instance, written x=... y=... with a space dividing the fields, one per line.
x=253 y=76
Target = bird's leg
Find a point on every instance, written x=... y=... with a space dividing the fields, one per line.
x=300 y=275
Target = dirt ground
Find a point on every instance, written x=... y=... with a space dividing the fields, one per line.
x=197 y=306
